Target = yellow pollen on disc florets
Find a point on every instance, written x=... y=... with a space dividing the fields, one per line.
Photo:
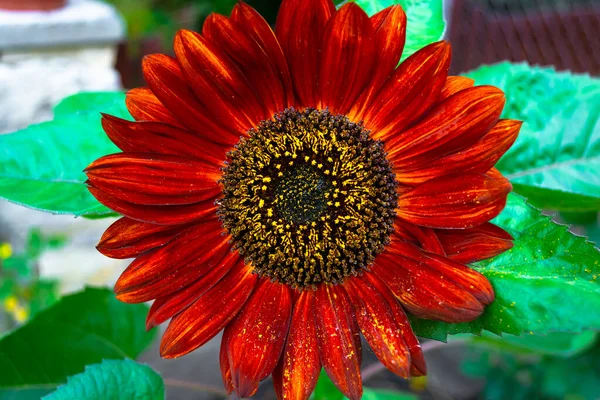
x=308 y=197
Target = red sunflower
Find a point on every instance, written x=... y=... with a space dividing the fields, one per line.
x=296 y=188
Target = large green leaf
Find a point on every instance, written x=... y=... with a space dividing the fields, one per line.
x=112 y=380
x=81 y=329
x=548 y=282
x=425 y=20
x=42 y=166
x=556 y=158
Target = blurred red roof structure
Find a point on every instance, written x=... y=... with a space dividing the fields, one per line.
x=563 y=33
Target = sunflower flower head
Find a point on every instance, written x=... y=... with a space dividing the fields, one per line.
x=296 y=188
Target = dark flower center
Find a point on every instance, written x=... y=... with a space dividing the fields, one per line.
x=301 y=194
x=308 y=197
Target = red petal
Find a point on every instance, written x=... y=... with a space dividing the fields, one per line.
x=458 y=122
x=257 y=336
x=479 y=157
x=433 y=287
x=426 y=237
x=210 y=313
x=249 y=57
x=164 y=76
x=457 y=201
x=347 y=59
x=389 y=26
x=411 y=90
x=379 y=326
x=453 y=85
x=163 y=215
x=259 y=30
x=155 y=137
x=191 y=254
x=153 y=179
x=127 y=238
x=298 y=371
x=167 y=306
x=144 y=106
x=475 y=244
x=300 y=29
x=218 y=82
x=225 y=366
x=418 y=365
x=339 y=339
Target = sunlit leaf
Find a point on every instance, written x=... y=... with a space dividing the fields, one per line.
x=556 y=158
x=42 y=166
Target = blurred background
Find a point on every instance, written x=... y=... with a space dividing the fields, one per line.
x=50 y=49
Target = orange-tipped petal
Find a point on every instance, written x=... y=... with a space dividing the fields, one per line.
x=300 y=29
x=479 y=157
x=339 y=339
x=347 y=59
x=456 y=123
x=409 y=92
x=432 y=286
x=209 y=314
x=162 y=215
x=160 y=138
x=167 y=306
x=144 y=106
x=455 y=202
x=152 y=179
x=127 y=238
x=164 y=270
x=296 y=376
x=255 y=339
x=378 y=325
x=453 y=85
x=164 y=76
x=469 y=245
x=260 y=31
x=249 y=57
x=218 y=83
x=389 y=26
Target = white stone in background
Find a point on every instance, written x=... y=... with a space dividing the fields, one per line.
x=44 y=57
x=78 y=263
x=80 y=21
x=32 y=83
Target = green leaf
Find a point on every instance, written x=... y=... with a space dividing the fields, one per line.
x=542 y=284
x=514 y=376
x=556 y=158
x=81 y=329
x=326 y=390
x=42 y=166
x=112 y=380
x=425 y=20
x=41 y=295
x=558 y=344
